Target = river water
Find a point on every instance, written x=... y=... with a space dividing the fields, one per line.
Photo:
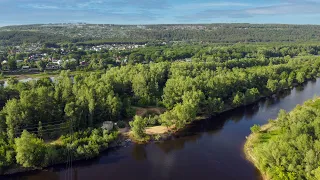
x=5 y=83
x=212 y=149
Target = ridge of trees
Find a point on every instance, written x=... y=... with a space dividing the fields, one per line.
x=213 y=33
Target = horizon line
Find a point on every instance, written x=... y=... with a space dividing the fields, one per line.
x=157 y=24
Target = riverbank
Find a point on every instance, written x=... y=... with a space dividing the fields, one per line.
x=155 y=133
x=279 y=141
x=224 y=133
x=251 y=141
x=121 y=141
x=164 y=136
x=162 y=133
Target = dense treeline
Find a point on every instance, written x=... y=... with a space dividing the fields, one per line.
x=111 y=41
x=289 y=148
x=244 y=54
x=10 y=38
x=84 y=101
x=28 y=150
x=193 y=92
x=217 y=33
x=42 y=111
x=219 y=53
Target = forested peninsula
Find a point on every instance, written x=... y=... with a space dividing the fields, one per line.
x=43 y=122
x=288 y=147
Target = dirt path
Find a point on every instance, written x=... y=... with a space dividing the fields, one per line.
x=143 y=111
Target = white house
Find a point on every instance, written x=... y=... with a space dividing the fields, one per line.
x=59 y=62
x=71 y=60
x=25 y=67
x=108 y=125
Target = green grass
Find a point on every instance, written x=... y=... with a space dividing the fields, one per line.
x=266 y=136
x=266 y=133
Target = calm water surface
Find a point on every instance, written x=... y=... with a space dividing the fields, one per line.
x=211 y=150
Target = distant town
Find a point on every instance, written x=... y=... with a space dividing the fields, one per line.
x=29 y=57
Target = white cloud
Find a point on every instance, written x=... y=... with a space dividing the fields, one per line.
x=89 y=3
x=286 y=8
x=42 y=6
x=293 y=8
x=195 y=6
x=98 y=4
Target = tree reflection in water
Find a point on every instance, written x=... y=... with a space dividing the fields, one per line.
x=139 y=152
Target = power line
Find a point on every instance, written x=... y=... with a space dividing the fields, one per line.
x=48 y=123
x=69 y=168
x=49 y=129
x=44 y=131
x=32 y=128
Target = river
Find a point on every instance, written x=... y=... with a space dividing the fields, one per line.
x=212 y=148
x=5 y=83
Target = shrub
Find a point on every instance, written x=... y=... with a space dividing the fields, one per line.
x=255 y=128
x=121 y=124
x=153 y=121
x=138 y=126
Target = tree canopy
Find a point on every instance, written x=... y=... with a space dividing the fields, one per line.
x=216 y=79
x=289 y=148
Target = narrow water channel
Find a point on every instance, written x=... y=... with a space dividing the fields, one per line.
x=211 y=150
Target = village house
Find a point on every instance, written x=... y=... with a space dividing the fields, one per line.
x=107 y=125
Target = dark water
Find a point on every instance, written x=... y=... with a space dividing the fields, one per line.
x=212 y=150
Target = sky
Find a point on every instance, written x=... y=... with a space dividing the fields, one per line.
x=14 y=12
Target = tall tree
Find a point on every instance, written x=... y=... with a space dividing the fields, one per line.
x=41 y=65
x=12 y=64
x=30 y=150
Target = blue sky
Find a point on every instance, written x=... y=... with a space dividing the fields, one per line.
x=159 y=11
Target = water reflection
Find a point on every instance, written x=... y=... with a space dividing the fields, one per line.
x=300 y=88
x=139 y=152
x=179 y=143
x=211 y=126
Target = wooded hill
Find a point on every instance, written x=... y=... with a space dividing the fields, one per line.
x=216 y=33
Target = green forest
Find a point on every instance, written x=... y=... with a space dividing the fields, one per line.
x=288 y=147
x=43 y=121
x=213 y=33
